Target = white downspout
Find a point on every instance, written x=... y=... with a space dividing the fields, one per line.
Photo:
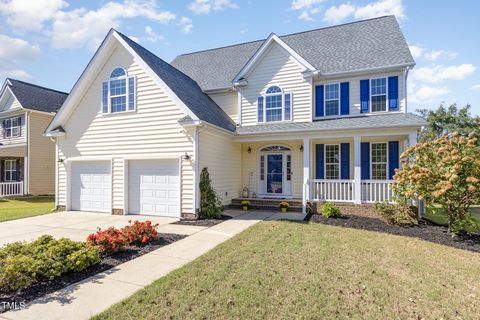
x=196 y=170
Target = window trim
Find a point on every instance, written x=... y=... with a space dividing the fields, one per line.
x=377 y=95
x=11 y=171
x=339 y=161
x=12 y=127
x=371 y=161
x=325 y=99
x=282 y=93
x=126 y=77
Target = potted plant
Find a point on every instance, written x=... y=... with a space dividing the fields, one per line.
x=284 y=205
x=246 y=205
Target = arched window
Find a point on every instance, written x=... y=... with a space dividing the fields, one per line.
x=118 y=92
x=274 y=105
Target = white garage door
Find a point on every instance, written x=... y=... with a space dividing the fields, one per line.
x=154 y=187
x=91 y=186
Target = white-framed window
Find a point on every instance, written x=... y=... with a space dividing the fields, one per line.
x=10 y=170
x=379 y=160
x=332 y=161
x=12 y=127
x=275 y=105
x=378 y=94
x=332 y=99
x=118 y=92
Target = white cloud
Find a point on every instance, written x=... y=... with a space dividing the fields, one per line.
x=75 y=28
x=152 y=36
x=476 y=87
x=337 y=14
x=428 y=94
x=186 y=25
x=304 y=4
x=381 y=8
x=440 y=54
x=29 y=15
x=416 y=51
x=305 y=16
x=441 y=73
x=13 y=53
x=206 y=6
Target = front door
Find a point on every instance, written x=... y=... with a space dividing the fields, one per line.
x=275 y=174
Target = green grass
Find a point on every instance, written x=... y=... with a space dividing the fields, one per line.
x=439 y=217
x=16 y=208
x=285 y=270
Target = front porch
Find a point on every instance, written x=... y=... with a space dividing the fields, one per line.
x=12 y=176
x=352 y=169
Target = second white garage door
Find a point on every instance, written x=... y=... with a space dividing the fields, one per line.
x=154 y=187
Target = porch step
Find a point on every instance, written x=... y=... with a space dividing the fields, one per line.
x=267 y=204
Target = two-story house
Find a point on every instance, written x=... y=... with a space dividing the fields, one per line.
x=27 y=157
x=319 y=115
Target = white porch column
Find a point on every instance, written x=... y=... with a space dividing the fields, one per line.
x=412 y=139
x=358 y=170
x=306 y=174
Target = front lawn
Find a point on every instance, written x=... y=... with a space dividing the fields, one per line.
x=16 y=208
x=284 y=270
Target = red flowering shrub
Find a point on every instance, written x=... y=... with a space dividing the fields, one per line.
x=109 y=240
x=140 y=233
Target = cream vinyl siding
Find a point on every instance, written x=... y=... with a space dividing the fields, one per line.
x=223 y=158
x=41 y=156
x=277 y=67
x=151 y=131
x=228 y=101
x=10 y=103
x=13 y=140
x=251 y=165
x=355 y=89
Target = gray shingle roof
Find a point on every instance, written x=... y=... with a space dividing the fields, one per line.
x=38 y=98
x=185 y=88
x=392 y=120
x=373 y=43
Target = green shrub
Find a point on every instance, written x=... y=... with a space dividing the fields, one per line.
x=210 y=204
x=24 y=264
x=330 y=210
x=399 y=214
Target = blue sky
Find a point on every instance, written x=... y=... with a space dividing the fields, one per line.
x=49 y=42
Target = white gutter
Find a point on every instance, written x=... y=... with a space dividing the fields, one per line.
x=314 y=73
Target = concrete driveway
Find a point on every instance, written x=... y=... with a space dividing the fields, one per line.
x=78 y=225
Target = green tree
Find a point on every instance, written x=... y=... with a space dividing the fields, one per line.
x=448 y=120
x=444 y=171
x=210 y=203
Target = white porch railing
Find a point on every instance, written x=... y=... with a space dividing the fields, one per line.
x=376 y=191
x=8 y=189
x=344 y=190
x=333 y=190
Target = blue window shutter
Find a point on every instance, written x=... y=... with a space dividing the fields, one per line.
x=393 y=158
x=105 y=96
x=365 y=160
x=17 y=170
x=345 y=160
x=288 y=106
x=319 y=162
x=393 y=93
x=131 y=93
x=344 y=98
x=260 y=109
x=364 y=96
x=319 y=98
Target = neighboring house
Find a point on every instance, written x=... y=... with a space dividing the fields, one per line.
x=314 y=116
x=27 y=157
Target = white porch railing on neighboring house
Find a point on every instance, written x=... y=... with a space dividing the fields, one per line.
x=377 y=191
x=8 y=189
x=333 y=190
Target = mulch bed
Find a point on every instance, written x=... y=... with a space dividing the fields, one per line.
x=202 y=222
x=108 y=262
x=425 y=231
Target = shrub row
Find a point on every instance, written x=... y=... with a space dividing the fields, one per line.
x=24 y=264
x=112 y=240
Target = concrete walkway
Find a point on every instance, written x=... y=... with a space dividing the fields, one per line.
x=94 y=295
